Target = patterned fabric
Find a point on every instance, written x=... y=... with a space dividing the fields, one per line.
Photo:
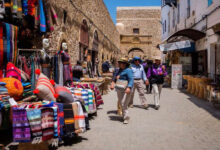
x=46 y=89
x=69 y=127
x=25 y=7
x=60 y=120
x=13 y=71
x=98 y=96
x=81 y=117
x=34 y=117
x=91 y=102
x=1 y=51
x=85 y=97
x=21 y=129
x=47 y=120
x=64 y=94
x=42 y=17
x=14 y=86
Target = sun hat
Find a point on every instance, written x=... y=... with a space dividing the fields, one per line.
x=137 y=58
x=123 y=60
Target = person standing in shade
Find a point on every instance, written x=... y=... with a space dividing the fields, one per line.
x=156 y=75
x=123 y=83
x=140 y=79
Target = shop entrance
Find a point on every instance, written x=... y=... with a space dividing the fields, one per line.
x=84 y=41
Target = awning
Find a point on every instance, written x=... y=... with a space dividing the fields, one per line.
x=182 y=45
x=189 y=33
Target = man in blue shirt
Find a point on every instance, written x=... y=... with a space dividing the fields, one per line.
x=139 y=78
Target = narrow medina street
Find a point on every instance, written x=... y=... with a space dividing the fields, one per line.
x=182 y=123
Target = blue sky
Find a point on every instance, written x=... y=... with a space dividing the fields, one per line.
x=112 y=4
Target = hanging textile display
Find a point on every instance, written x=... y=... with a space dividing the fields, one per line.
x=42 y=17
x=25 y=7
x=1 y=51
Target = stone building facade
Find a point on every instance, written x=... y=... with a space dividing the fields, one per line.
x=140 y=31
x=87 y=28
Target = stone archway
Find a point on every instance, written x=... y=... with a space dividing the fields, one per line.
x=135 y=52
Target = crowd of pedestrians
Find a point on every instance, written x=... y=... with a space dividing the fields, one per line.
x=137 y=75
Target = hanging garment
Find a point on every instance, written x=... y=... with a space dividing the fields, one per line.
x=69 y=127
x=8 y=48
x=15 y=50
x=14 y=8
x=34 y=118
x=47 y=123
x=45 y=65
x=2 y=9
x=60 y=64
x=25 y=7
x=33 y=73
x=19 y=10
x=31 y=7
x=55 y=69
x=37 y=17
x=76 y=121
x=60 y=120
x=7 y=10
x=1 y=51
x=21 y=129
x=66 y=67
x=12 y=43
x=42 y=17
x=54 y=15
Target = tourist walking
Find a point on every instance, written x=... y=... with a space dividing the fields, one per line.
x=156 y=75
x=123 y=84
x=140 y=79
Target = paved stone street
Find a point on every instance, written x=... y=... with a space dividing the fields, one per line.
x=182 y=123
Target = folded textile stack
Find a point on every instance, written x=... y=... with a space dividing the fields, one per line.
x=27 y=89
x=4 y=107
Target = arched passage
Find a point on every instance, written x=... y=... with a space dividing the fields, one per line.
x=136 y=52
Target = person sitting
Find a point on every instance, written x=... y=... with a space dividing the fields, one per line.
x=105 y=67
x=77 y=72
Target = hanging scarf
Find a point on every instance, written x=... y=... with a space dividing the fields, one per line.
x=47 y=125
x=69 y=127
x=19 y=10
x=21 y=129
x=32 y=73
x=31 y=7
x=1 y=51
x=55 y=70
x=7 y=9
x=14 y=5
x=60 y=119
x=15 y=44
x=34 y=118
x=8 y=34
x=25 y=7
x=42 y=17
x=11 y=42
x=85 y=114
x=60 y=63
x=37 y=17
x=54 y=15
x=81 y=117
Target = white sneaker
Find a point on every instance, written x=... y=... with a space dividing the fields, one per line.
x=126 y=120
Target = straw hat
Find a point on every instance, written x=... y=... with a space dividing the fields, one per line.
x=157 y=58
x=123 y=60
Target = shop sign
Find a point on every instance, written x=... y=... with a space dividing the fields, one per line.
x=175 y=45
x=176 y=76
